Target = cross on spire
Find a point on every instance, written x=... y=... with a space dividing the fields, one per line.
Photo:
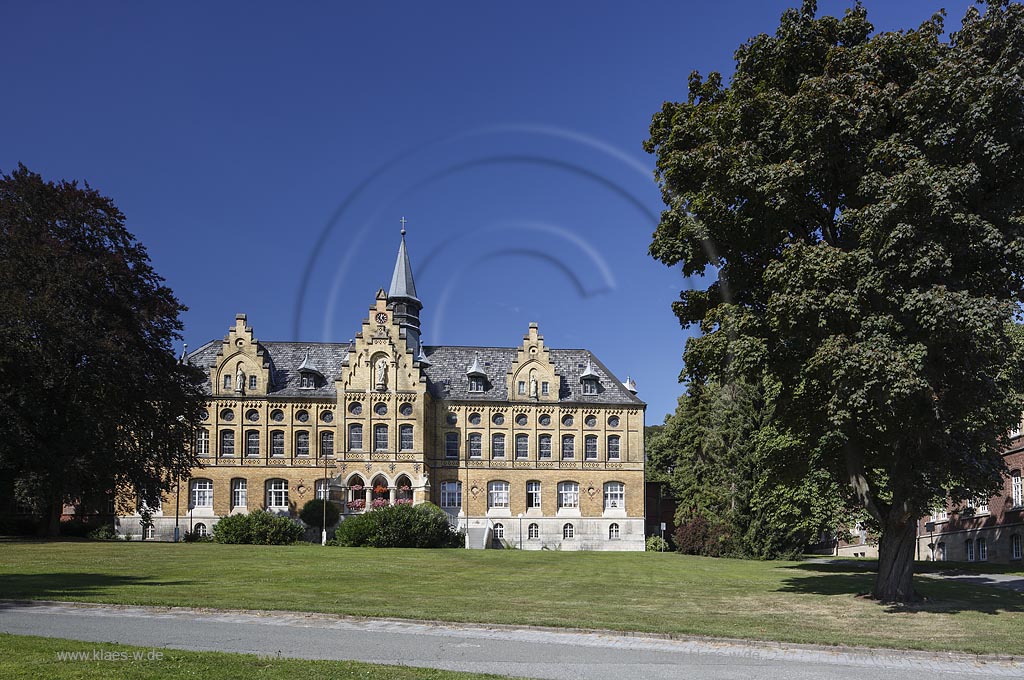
x=403 y=220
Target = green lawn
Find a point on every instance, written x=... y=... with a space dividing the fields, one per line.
x=37 y=657
x=656 y=592
x=1016 y=568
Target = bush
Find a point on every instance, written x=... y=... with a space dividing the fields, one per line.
x=104 y=533
x=196 y=537
x=313 y=513
x=399 y=526
x=259 y=527
x=698 y=536
x=657 y=544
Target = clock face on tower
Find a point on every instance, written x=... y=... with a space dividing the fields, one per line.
x=382 y=318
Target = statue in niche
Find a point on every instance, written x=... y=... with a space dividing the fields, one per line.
x=533 y=384
x=239 y=379
x=382 y=374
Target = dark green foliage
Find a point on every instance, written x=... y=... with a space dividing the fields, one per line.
x=92 y=398
x=858 y=200
x=399 y=526
x=259 y=527
x=656 y=544
x=196 y=537
x=104 y=533
x=703 y=536
x=312 y=513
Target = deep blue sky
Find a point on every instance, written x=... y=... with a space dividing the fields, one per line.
x=249 y=143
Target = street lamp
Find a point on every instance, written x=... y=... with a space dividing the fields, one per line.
x=323 y=525
x=520 y=531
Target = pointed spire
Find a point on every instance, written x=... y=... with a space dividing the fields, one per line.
x=476 y=369
x=422 y=358
x=589 y=373
x=630 y=384
x=307 y=365
x=402 y=285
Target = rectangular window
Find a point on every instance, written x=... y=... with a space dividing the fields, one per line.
x=322 y=490
x=239 y=493
x=302 y=444
x=1015 y=546
x=522 y=446
x=521 y=387
x=568 y=495
x=277 y=444
x=589 y=387
x=497 y=495
x=227 y=382
x=451 y=445
x=590 y=448
x=982 y=550
x=227 y=443
x=476 y=384
x=451 y=494
x=252 y=382
x=568 y=447
x=533 y=494
x=202 y=493
x=498 y=446
x=1018 y=490
x=544 y=388
x=405 y=437
x=969 y=549
x=544 y=446
x=203 y=443
x=614 y=495
x=613 y=447
x=355 y=437
x=982 y=506
x=252 y=443
x=277 y=493
x=326 y=443
x=475 y=445
x=380 y=437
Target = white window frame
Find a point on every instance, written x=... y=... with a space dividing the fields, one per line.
x=614 y=532
x=476 y=384
x=614 y=496
x=277 y=494
x=1017 y=489
x=326 y=443
x=200 y=529
x=522 y=446
x=355 y=437
x=451 y=494
x=201 y=493
x=252 y=382
x=568 y=531
x=969 y=548
x=545 y=390
x=614 y=447
x=590 y=447
x=544 y=446
x=149 y=532
x=568 y=495
x=239 y=493
x=499 y=531
x=497 y=495
x=250 y=451
x=203 y=442
x=405 y=438
x=380 y=437
x=533 y=494
x=982 y=551
x=476 y=445
x=302 y=444
x=498 y=445
x=589 y=387
x=227 y=382
x=227 y=442
x=521 y=387
x=277 y=444
x=322 y=490
x=568 y=452
x=533 y=532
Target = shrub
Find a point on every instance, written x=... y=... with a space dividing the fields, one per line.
x=312 y=513
x=399 y=526
x=698 y=536
x=656 y=544
x=196 y=537
x=259 y=527
x=104 y=533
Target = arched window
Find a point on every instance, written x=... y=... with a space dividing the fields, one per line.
x=403 y=490
x=149 y=533
x=277 y=494
x=613 y=447
x=475 y=445
x=405 y=437
x=252 y=443
x=568 y=531
x=355 y=437
x=451 y=494
x=302 y=443
x=203 y=442
x=613 y=532
x=497 y=494
x=202 y=493
x=451 y=445
x=590 y=447
x=614 y=495
x=969 y=550
x=200 y=530
x=277 y=444
x=982 y=550
x=380 y=437
x=533 y=532
x=568 y=447
x=522 y=446
x=544 y=446
x=940 y=552
x=533 y=494
x=239 y=493
x=1016 y=551
x=326 y=443
x=498 y=446
x=568 y=495
x=499 y=531
x=227 y=442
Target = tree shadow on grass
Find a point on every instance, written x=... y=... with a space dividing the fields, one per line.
x=62 y=585
x=937 y=596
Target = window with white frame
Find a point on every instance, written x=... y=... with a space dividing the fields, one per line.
x=533 y=494
x=568 y=447
x=451 y=494
x=568 y=495
x=498 y=446
x=982 y=550
x=568 y=531
x=544 y=389
x=302 y=444
x=613 y=531
x=1017 y=487
x=405 y=437
x=323 y=490
x=355 y=437
x=497 y=494
x=544 y=446
x=522 y=446
x=239 y=493
x=533 y=532
x=1015 y=547
x=613 y=447
x=969 y=550
x=590 y=447
x=589 y=387
x=614 y=495
x=203 y=442
x=252 y=443
x=380 y=437
x=499 y=531
x=227 y=382
x=940 y=515
x=475 y=445
x=277 y=444
x=277 y=493
x=521 y=387
x=227 y=443
x=326 y=443
x=982 y=506
x=451 y=445
x=149 y=533
x=252 y=382
x=202 y=493
x=200 y=530
x=476 y=383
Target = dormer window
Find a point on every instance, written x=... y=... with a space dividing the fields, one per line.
x=477 y=376
x=590 y=379
x=307 y=381
x=308 y=374
x=589 y=387
x=476 y=384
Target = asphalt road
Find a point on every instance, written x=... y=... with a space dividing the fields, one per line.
x=528 y=652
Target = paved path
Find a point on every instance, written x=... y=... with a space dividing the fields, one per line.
x=1009 y=581
x=504 y=650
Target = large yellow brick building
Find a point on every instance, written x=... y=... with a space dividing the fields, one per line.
x=527 y=445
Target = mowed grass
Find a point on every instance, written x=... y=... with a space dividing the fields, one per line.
x=37 y=657
x=805 y=602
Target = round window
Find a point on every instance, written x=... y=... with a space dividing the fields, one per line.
x=277 y=415
x=302 y=416
x=452 y=418
x=521 y=419
x=613 y=421
x=591 y=421
x=227 y=414
x=380 y=409
x=327 y=416
x=405 y=409
x=252 y=415
x=567 y=421
x=204 y=414
x=544 y=420
x=355 y=408
x=474 y=418
x=498 y=419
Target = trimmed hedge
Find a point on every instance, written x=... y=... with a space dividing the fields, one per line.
x=312 y=513
x=259 y=527
x=399 y=526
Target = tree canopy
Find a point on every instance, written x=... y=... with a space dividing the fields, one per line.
x=92 y=399
x=855 y=199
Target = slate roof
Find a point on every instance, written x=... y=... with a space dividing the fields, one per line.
x=446 y=371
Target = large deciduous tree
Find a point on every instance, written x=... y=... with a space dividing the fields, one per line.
x=856 y=200
x=92 y=399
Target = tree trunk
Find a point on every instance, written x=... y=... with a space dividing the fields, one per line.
x=49 y=524
x=895 y=580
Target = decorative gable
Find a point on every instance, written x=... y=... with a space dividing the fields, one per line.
x=532 y=376
x=241 y=366
x=380 y=359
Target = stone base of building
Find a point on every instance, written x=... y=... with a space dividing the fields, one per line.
x=588 y=533
x=952 y=546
